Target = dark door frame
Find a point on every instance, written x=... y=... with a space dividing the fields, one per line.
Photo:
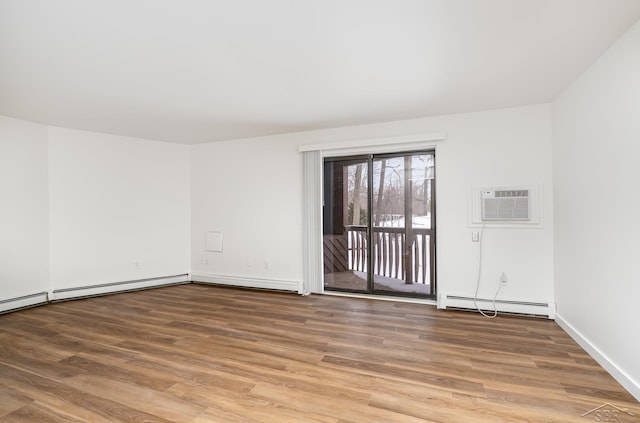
x=408 y=227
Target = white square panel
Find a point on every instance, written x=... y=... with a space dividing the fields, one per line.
x=213 y=241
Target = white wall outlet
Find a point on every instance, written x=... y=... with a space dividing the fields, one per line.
x=475 y=236
x=503 y=278
x=267 y=265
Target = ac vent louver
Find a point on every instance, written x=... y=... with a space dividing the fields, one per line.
x=505 y=205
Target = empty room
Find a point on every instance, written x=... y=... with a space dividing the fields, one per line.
x=319 y=211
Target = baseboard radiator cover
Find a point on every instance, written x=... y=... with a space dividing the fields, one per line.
x=248 y=282
x=115 y=287
x=545 y=309
x=25 y=301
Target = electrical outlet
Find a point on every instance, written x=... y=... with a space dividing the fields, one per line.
x=475 y=236
x=267 y=265
x=503 y=278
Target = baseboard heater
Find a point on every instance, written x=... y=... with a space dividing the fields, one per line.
x=546 y=309
x=260 y=283
x=25 y=301
x=113 y=287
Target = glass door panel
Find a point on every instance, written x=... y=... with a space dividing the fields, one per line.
x=421 y=245
x=388 y=232
x=346 y=220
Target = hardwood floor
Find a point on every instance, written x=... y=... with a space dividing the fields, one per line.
x=197 y=353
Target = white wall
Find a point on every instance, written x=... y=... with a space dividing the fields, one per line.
x=24 y=209
x=596 y=148
x=116 y=201
x=251 y=190
x=502 y=147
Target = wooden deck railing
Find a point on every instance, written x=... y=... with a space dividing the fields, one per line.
x=389 y=256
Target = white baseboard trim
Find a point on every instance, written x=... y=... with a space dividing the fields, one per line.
x=248 y=282
x=109 y=288
x=631 y=385
x=547 y=309
x=25 y=301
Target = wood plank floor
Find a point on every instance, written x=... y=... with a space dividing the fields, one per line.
x=197 y=353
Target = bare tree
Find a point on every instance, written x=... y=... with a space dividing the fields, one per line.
x=383 y=168
x=356 y=194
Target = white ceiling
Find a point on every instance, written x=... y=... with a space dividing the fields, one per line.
x=195 y=71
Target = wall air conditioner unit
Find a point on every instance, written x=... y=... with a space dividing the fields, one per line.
x=506 y=205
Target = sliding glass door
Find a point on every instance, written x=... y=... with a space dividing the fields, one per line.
x=379 y=224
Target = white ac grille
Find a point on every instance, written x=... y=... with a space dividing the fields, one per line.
x=505 y=205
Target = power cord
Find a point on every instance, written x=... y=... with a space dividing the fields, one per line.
x=475 y=297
